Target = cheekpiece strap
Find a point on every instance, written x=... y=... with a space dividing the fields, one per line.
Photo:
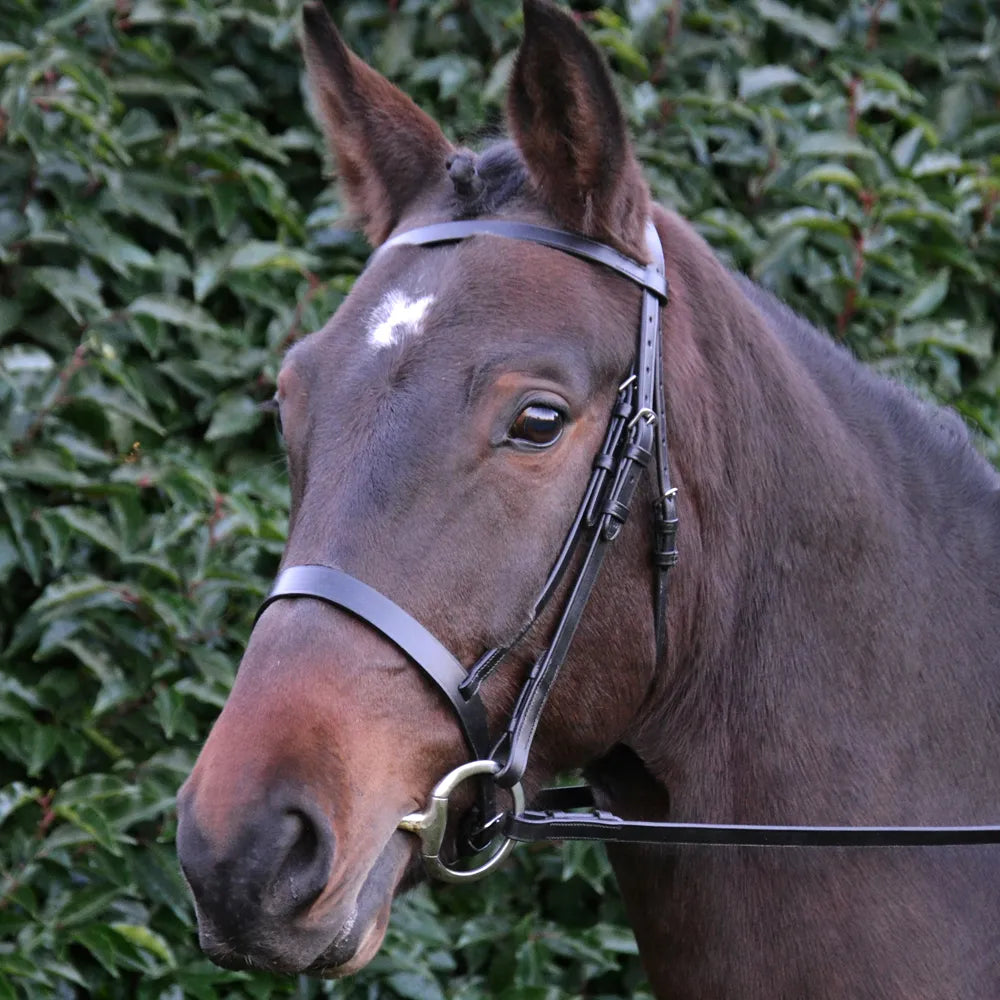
x=665 y=520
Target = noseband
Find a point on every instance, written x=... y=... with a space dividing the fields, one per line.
x=635 y=439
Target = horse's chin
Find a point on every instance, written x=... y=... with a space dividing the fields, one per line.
x=321 y=946
x=354 y=950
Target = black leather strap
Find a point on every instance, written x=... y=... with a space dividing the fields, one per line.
x=665 y=519
x=605 y=507
x=515 y=744
x=578 y=246
x=344 y=591
x=635 y=429
x=537 y=825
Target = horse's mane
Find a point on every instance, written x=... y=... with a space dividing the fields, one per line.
x=881 y=412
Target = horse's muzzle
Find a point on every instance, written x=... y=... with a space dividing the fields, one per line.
x=266 y=871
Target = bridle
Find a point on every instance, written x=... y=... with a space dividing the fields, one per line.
x=635 y=440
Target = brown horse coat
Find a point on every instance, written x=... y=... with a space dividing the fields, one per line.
x=834 y=632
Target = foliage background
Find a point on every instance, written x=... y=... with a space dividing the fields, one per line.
x=166 y=230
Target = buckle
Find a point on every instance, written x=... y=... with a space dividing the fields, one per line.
x=645 y=413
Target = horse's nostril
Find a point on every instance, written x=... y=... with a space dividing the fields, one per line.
x=307 y=842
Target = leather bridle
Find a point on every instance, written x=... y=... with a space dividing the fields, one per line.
x=635 y=440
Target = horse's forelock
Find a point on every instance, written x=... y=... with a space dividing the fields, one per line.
x=502 y=174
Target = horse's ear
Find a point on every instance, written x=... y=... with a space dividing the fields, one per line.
x=386 y=147
x=565 y=118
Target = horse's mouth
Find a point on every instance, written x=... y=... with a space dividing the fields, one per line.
x=356 y=945
x=315 y=948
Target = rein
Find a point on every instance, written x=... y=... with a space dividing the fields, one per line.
x=635 y=439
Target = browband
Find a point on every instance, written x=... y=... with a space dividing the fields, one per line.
x=649 y=277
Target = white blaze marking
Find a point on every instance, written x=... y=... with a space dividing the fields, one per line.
x=397 y=316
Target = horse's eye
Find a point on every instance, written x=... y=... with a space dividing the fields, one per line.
x=536 y=426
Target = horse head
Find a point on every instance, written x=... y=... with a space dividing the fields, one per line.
x=440 y=429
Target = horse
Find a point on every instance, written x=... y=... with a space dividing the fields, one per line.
x=829 y=652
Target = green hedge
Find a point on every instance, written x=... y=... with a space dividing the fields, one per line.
x=166 y=230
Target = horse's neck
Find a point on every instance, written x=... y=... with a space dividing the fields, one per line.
x=811 y=654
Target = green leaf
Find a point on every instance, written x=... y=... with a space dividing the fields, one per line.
x=95 y=825
x=177 y=311
x=78 y=292
x=105 y=244
x=10 y=558
x=89 y=524
x=42 y=470
x=954 y=335
x=21 y=359
x=148 y=940
x=416 y=986
x=927 y=297
x=119 y=402
x=821 y=33
x=832 y=144
x=14 y=796
x=74 y=591
x=258 y=255
x=109 y=948
x=831 y=173
x=234 y=414
x=41 y=743
x=904 y=149
x=760 y=79
x=809 y=218
x=11 y=53
x=934 y=163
